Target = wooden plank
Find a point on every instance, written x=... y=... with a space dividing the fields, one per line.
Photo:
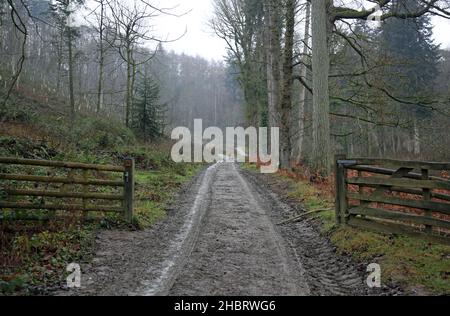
x=390 y=172
x=60 y=207
x=407 y=164
x=96 y=196
x=128 y=198
x=391 y=215
x=401 y=173
x=38 y=218
x=60 y=164
x=393 y=229
x=29 y=218
x=440 y=196
x=69 y=180
x=426 y=205
x=435 y=195
x=13 y=216
x=401 y=183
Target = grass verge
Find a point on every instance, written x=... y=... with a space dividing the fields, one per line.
x=418 y=266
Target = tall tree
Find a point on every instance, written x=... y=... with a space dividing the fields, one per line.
x=102 y=29
x=321 y=30
x=273 y=57
x=325 y=15
x=415 y=69
x=63 y=12
x=303 y=90
x=131 y=23
x=287 y=84
x=20 y=25
x=240 y=23
x=148 y=112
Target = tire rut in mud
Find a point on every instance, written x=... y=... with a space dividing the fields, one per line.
x=327 y=272
x=238 y=251
x=127 y=262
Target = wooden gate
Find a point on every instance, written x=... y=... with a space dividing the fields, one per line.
x=84 y=187
x=406 y=197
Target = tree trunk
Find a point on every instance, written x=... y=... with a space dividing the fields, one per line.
x=303 y=91
x=133 y=84
x=101 y=66
x=60 y=60
x=273 y=51
x=417 y=149
x=321 y=154
x=288 y=81
x=71 y=79
x=129 y=88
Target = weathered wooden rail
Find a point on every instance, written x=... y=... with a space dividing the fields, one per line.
x=394 y=196
x=126 y=185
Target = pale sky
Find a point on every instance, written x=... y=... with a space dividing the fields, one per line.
x=200 y=40
x=442 y=32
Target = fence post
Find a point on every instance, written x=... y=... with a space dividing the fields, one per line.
x=341 y=191
x=129 y=165
x=337 y=195
x=427 y=197
x=337 y=189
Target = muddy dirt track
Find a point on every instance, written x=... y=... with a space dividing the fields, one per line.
x=221 y=238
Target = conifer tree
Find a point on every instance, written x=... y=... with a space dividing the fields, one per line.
x=149 y=113
x=409 y=43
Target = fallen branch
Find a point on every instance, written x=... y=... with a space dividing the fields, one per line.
x=299 y=217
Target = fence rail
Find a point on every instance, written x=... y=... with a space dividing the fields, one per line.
x=126 y=198
x=406 y=197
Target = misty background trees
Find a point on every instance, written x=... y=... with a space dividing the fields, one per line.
x=334 y=82
x=101 y=58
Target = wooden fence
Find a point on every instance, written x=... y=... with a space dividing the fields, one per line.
x=90 y=186
x=404 y=197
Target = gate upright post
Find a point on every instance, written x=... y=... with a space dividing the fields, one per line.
x=129 y=165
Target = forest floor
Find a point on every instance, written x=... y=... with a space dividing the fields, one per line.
x=221 y=238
